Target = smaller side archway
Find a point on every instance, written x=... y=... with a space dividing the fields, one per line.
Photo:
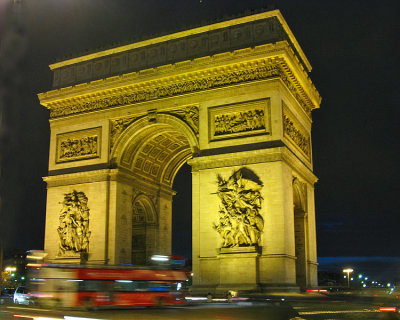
x=144 y=229
x=300 y=231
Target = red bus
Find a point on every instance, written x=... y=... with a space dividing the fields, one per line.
x=94 y=286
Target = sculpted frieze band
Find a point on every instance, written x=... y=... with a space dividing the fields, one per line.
x=255 y=71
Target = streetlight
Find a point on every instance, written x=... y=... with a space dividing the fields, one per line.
x=348 y=271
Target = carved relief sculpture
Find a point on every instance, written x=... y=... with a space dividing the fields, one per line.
x=118 y=126
x=73 y=230
x=190 y=115
x=239 y=122
x=73 y=148
x=240 y=222
x=78 y=145
x=291 y=130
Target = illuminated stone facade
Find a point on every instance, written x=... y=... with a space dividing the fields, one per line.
x=232 y=99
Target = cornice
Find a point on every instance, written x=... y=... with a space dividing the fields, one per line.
x=253 y=157
x=81 y=177
x=244 y=65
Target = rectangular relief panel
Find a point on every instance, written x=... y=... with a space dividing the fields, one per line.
x=240 y=120
x=78 y=145
x=295 y=132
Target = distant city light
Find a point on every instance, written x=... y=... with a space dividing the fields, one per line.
x=360 y=276
x=10 y=269
x=348 y=271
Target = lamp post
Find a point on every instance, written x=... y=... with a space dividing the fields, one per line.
x=348 y=271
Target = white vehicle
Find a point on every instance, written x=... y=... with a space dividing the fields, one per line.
x=22 y=296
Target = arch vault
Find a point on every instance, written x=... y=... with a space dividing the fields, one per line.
x=234 y=101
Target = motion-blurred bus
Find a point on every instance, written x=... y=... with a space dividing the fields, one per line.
x=90 y=287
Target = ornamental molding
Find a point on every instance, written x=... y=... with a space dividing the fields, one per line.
x=174 y=86
x=253 y=157
x=161 y=86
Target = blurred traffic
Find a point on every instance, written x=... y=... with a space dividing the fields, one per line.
x=161 y=290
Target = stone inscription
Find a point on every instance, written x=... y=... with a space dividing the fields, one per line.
x=78 y=145
x=301 y=139
x=240 y=222
x=73 y=230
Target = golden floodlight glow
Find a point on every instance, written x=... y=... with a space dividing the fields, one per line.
x=348 y=270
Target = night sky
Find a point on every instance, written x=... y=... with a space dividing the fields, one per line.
x=351 y=45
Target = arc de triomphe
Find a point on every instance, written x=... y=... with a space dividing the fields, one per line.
x=234 y=101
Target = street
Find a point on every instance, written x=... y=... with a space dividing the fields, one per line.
x=303 y=307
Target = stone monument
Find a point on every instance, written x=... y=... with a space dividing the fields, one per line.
x=232 y=99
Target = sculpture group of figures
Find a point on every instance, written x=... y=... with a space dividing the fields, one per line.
x=74 y=224
x=72 y=148
x=239 y=122
x=240 y=222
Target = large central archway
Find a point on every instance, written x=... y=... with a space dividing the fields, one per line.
x=234 y=101
x=152 y=149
